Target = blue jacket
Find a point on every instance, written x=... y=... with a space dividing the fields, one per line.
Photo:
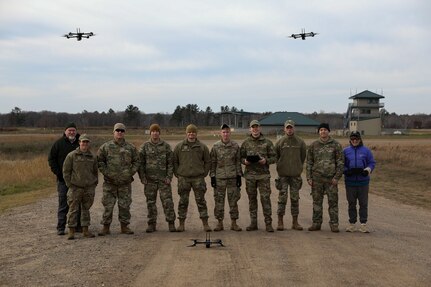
x=358 y=157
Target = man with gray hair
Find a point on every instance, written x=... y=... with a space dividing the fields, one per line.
x=118 y=161
x=59 y=150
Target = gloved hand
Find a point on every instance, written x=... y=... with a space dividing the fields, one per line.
x=213 y=182
x=238 y=181
x=366 y=171
x=349 y=172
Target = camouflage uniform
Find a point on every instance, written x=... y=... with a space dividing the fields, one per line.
x=290 y=152
x=118 y=161
x=155 y=170
x=325 y=161
x=226 y=166
x=191 y=166
x=257 y=176
x=80 y=174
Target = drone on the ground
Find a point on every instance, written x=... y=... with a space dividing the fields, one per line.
x=208 y=242
x=303 y=35
x=79 y=35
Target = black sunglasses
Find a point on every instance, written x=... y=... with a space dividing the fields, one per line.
x=120 y=130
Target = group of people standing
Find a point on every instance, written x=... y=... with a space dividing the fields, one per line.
x=76 y=168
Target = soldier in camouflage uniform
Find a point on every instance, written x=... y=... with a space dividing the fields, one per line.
x=118 y=161
x=80 y=175
x=226 y=175
x=155 y=172
x=325 y=166
x=291 y=152
x=191 y=165
x=257 y=153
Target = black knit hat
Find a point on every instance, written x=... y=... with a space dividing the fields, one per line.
x=324 y=125
x=70 y=125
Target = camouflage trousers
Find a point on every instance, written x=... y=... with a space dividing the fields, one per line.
x=233 y=195
x=318 y=190
x=165 y=191
x=80 y=198
x=295 y=183
x=185 y=184
x=252 y=185
x=112 y=193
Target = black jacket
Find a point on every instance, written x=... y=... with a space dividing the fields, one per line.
x=58 y=153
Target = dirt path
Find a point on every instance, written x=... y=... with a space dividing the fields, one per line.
x=396 y=253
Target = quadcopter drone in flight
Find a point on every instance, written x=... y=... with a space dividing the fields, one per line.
x=303 y=35
x=79 y=35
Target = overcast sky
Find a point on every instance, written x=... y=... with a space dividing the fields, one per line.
x=157 y=55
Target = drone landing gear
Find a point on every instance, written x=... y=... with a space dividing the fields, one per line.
x=208 y=242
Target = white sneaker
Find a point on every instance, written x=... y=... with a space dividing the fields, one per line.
x=351 y=228
x=363 y=228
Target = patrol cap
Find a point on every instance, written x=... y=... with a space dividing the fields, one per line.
x=289 y=123
x=119 y=126
x=84 y=138
x=254 y=123
x=70 y=125
x=154 y=127
x=224 y=126
x=191 y=129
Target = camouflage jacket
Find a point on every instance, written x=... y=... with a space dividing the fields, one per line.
x=225 y=160
x=118 y=161
x=290 y=152
x=80 y=169
x=257 y=146
x=155 y=161
x=191 y=159
x=325 y=160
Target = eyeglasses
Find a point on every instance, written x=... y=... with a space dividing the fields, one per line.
x=120 y=131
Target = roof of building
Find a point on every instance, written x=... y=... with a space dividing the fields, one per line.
x=366 y=95
x=278 y=119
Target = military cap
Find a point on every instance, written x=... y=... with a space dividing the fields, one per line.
x=289 y=123
x=119 y=126
x=84 y=138
x=254 y=123
x=224 y=126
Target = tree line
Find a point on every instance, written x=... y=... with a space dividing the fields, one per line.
x=181 y=116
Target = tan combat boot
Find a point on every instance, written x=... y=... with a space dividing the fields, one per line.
x=334 y=227
x=151 y=228
x=105 y=230
x=172 y=226
x=253 y=225
x=71 y=234
x=87 y=233
x=181 y=227
x=234 y=226
x=295 y=224
x=280 y=225
x=314 y=227
x=219 y=226
x=207 y=228
x=125 y=229
x=269 y=227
